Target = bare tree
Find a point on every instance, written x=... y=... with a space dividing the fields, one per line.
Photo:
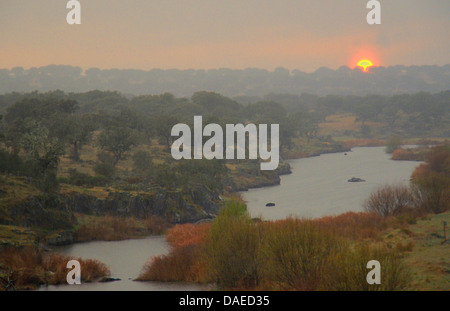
x=390 y=200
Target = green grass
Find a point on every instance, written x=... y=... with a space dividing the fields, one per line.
x=18 y=236
x=429 y=260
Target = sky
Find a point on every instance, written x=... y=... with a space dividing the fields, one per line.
x=237 y=34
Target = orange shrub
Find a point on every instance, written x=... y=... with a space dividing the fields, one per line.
x=109 y=228
x=91 y=269
x=354 y=225
x=407 y=247
x=188 y=234
x=416 y=154
x=22 y=266
x=400 y=154
x=236 y=253
x=432 y=180
x=181 y=264
x=30 y=267
x=156 y=225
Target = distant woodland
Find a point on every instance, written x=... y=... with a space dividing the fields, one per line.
x=45 y=126
x=229 y=82
x=382 y=116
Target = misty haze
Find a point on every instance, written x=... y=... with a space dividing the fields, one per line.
x=358 y=158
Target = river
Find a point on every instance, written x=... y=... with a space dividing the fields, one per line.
x=125 y=260
x=317 y=186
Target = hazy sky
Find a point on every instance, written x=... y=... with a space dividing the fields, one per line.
x=295 y=34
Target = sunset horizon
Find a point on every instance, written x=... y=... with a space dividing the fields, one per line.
x=301 y=35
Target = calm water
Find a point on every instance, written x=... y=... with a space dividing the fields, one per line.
x=125 y=260
x=318 y=186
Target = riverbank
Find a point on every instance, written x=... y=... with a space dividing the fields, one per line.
x=77 y=214
x=64 y=219
x=411 y=248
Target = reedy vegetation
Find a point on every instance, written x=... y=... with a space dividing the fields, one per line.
x=292 y=254
x=30 y=267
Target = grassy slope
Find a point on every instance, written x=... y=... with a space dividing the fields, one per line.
x=16 y=235
x=429 y=259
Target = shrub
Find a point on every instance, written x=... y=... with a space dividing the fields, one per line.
x=348 y=269
x=80 y=179
x=142 y=161
x=181 y=264
x=106 y=228
x=11 y=163
x=30 y=267
x=188 y=234
x=233 y=248
x=105 y=169
x=56 y=264
x=156 y=225
x=111 y=228
x=432 y=181
x=390 y=200
x=186 y=260
x=353 y=225
x=407 y=247
x=416 y=154
x=105 y=166
x=292 y=254
x=298 y=254
x=401 y=154
x=392 y=144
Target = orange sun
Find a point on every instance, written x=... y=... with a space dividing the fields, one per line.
x=365 y=64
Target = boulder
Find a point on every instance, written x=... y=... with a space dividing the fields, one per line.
x=355 y=179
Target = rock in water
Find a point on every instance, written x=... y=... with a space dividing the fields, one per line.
x=355 y=179
x=270 y=204
x=109 y=279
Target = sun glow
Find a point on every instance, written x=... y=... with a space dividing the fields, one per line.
x=365 y=64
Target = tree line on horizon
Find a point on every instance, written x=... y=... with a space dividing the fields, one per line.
x=229 y=82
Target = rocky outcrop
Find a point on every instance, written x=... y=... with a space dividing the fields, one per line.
x=62 y=238
x=174 y=206
x=57 y=214
x=45 y=212
x=284 y=168
x=249 y=175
